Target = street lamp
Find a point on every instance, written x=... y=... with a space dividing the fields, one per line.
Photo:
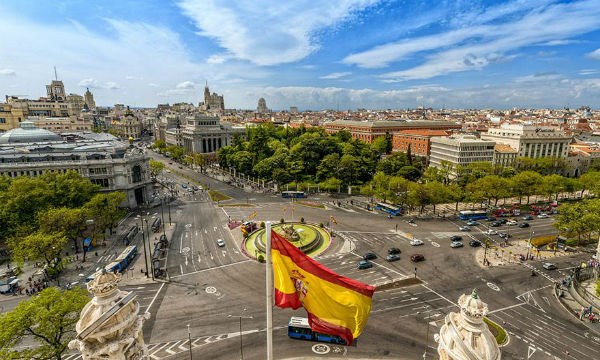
x=144 y=242
x=190 y=340
x=240 y=317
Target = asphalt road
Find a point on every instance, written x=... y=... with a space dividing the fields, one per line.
x=210 y=285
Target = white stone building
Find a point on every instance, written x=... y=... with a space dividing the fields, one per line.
x=460 y=150
x=106 y=161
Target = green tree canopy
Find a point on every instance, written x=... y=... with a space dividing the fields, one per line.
x=38 y=246
x=48 y=319
x=156 y=167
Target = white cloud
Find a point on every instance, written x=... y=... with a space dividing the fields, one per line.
x=8 y=72
x=95 y=84
x=111 y=85
x=588 y=71
x=269 y=32
x=474 y=47
x=335 y=75
x=594 y=54
x=130 y=77
x=560 y=42
x=307 y=67
x=539 y=77
x=186 y=85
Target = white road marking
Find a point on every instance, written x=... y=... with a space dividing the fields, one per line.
x=155 y=296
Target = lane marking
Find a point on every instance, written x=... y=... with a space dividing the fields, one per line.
x=155 y=296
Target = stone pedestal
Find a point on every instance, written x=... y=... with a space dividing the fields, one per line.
x=464 y=335
x=110 y=326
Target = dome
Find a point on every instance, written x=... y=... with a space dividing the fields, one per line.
x=28 y=133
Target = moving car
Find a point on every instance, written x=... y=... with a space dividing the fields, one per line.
x=464 y=228
x=511 y=223
x=365 y=264
x=504 y=235
x=474 y=243
x=370 y=256
x=392 y=257
x=503 y=221
x=456 y=244
x=456 y=238
x=543 y=216
x=528 y=217
x=524 y=225
x=416 y=242
x=491 y=232
x=549 y=266
x=220 y=242
x=496 y=224
x=472 y=223
x=184 y=186
x=394 y=251
x=417 y=257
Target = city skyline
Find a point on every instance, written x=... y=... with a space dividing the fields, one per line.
x=347 y=55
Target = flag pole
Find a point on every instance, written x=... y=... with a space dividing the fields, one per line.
x=269 y=292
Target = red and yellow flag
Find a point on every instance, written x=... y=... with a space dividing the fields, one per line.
x=333 y=220
x=336 y=305
x=283 y=207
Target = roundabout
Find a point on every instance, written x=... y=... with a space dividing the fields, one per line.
x=311 y=239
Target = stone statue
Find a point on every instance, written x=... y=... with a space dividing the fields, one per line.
x=290 y=234
x=465 y=336
x=109 y=326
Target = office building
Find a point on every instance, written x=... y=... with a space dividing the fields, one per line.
x=460 y=150
x=368 y=131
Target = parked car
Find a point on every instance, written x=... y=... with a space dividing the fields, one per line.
x=472 y=223
x=491 y=219
x=503 y=221
x=496 y=224
x=528 y=217
x=543 y=216
x=491 y=232
x=504 y=235
x=416 y=242
x=464 y=228
x=394 y=251
x=417 y=257
x=184 y=186
x=524 y=225
x=511 y=222
x=392 y=257
x=474 y=243
x=220 y=242
x=365 y=264
x=370 y=256
x=456 y=244
x=549 y=266
x=455 y=238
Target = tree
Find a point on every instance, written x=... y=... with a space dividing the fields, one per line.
x=160 y=145
x=590 y=181
x=409 y=153
x=281 y=176
x=199 y=160
x=175 y=151
x=553 y=185
x=156 y=167
x=328 y=166
x=436 y=193
x=347 y=169
x=526 y=184
x=491 y=187
x=38 y=246
x=242 y=161
x=70 y=223
x=48 y=319
x=409 y=172
x=330 y=185
x=393 y=163
x=380 y=145
x=418 y=195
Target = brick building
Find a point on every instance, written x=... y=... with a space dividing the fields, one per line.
x=368 y=131
x=417 y=139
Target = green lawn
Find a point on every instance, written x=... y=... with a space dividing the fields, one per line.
x=315 y=205
x=217 y=196
x=497 y=331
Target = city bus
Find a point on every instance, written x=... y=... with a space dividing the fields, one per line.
x=130 y=235
x=293 y=194
x=390 y=209
x=472 y=214
x=120 y=264
x=298 y=328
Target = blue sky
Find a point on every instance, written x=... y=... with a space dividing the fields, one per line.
x=313 y=54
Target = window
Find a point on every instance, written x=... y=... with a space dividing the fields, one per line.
x=136 y=174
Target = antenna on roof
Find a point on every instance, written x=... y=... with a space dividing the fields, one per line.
x=55 y=75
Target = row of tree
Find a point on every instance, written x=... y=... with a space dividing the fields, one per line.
x=580 y=218
x=40 y=215
x=488 y=188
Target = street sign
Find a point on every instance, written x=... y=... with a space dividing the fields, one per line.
x=530 y=351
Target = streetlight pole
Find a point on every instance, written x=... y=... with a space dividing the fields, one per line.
x=529 y=243
x=144 y=242
x=162 y=215
x=190 y=340
x=240 y=317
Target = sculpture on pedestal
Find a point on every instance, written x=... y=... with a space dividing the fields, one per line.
x=109 y=326
x=464 y=335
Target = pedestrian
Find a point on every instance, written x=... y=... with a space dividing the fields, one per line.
x=591 y=317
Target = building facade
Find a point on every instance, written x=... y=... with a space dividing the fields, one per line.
x=460 y=150
x=129 y=125
x=89 y=99
x=62 y=124
x=531 y=141
x=262 y=106
x=213 y=103
x=10 y=117
x=504 y=155
x=417 y=140
x=106 y=161
x=368 y=131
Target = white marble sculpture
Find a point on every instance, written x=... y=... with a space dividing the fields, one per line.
x=109 y=326
x=465 y=336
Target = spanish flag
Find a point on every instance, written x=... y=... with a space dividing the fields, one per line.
x=254 y=214
x=333 y=220
x=336 y=305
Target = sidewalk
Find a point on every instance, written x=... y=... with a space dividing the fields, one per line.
x=509 y=254
x=573 y=306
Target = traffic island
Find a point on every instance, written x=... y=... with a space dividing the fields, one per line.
x=498 y=332
x=309 y=238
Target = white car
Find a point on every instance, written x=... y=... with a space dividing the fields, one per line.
x=491 y=232
x=511 y=222
x=416 y=242
x=543 y=216
x=220 y=242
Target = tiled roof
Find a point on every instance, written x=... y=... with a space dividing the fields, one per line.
x=504 y=148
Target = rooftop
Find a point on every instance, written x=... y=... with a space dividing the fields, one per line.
x=28 y=133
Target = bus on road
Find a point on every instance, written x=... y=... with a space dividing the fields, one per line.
x=298 y=328
x=472 y=214
x=388 y=208
x=293 y=194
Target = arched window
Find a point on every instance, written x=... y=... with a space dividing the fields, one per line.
x=136 y=175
